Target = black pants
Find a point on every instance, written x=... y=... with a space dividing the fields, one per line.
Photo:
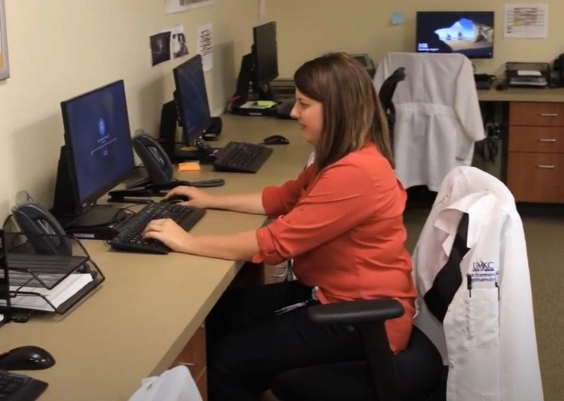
x=249 y=345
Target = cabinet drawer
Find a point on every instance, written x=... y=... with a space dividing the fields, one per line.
x=193 y=355
x=536 y=139
x=536 y=177
x=533 y=114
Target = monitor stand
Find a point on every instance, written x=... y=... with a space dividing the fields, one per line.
x=99 y=222
x=199 y=151
x=98 y=216
x=94 y=222
x=247 y=93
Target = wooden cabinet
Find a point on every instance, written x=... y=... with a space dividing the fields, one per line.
x=535 y=159
x=194 y=357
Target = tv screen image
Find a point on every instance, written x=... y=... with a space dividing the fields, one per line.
x=470 y=33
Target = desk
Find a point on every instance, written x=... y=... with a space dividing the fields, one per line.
x=522 y=95
x=533 y=133
x=148 y=308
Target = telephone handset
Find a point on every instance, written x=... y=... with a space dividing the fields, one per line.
x=43 y=231
x=155 y=160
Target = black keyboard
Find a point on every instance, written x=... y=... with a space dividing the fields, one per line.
x=241 y=157
x=480 y=85
x=17 y=387
x=129 y=237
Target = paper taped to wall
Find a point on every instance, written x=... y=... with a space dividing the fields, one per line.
x=176 y=6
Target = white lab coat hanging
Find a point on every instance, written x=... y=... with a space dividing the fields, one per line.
x=488 y=335
x=438 y=116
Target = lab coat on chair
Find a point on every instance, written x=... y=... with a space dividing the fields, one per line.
x=438 y=116
x=487 y=337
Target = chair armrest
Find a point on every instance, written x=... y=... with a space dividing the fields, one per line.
x=353 y=312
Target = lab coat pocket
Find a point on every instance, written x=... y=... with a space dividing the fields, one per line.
x=482 y=318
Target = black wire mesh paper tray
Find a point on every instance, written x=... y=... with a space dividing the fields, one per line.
x=45 y=272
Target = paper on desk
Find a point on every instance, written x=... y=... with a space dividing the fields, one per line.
x=59 y=294
x=255 y=105
x=529 y=73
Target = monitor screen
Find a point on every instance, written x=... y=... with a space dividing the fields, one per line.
x=469 y=33
x=97 y=140
x=265 y=53
x=192 y=98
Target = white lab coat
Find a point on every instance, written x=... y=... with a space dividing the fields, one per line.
x=487 y=337
x=438 y=117
x=175 y=384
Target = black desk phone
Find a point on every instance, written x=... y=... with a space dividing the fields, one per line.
x=156 y=161
x=46 y=236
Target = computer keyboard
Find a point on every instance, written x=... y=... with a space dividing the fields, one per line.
x=241 y=157
x=18 y=387
x=130 y=232
x=483 y=85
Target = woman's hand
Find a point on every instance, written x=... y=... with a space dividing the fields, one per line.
x=196 y=197
x=170 y=234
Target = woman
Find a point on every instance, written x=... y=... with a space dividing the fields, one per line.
x=341 y=222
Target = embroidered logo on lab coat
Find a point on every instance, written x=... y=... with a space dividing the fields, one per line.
x=483 y=271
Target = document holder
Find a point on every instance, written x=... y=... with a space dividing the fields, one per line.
x=32 y=279
x=527 y=74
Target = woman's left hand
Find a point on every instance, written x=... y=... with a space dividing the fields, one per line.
x=169 y=233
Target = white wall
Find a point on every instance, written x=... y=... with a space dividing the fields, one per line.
x=309 y=28
x=59 y=49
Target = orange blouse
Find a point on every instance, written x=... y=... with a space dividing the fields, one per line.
x=344 y=229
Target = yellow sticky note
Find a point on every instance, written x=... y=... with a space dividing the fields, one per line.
x=189 y=166
x=188 y=148
x=265 y=103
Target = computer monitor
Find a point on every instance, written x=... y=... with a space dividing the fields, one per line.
x=98 y=153
x=265 y=54
x=192 y=99
x=467 y=32
x=258 y=69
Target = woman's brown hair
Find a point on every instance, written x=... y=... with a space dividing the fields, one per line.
x=351 y=108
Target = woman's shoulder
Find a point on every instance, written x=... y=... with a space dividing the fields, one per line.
x=368 y=159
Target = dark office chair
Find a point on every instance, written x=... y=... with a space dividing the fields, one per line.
x=386 y=94
x=415 y=374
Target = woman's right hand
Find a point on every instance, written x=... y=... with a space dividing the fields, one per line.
x=196 y=197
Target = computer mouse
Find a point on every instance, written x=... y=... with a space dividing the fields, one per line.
x=28 y=357
x=275 y=140
x=176 y=199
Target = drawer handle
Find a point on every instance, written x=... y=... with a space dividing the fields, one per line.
x=187 y=364
x=547 y=140
x=547 y=166
x=548 y=114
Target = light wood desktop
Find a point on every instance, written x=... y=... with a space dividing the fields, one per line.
x=521 y=95
x=148 y=308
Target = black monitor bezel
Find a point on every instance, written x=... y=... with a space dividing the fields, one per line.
x=69 y=151
x=188 y=139
x=259 y=81
x=492 y=13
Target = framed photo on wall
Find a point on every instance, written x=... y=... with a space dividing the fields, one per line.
x=4 y=65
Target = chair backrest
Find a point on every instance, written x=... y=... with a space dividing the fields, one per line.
x=386 y=92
